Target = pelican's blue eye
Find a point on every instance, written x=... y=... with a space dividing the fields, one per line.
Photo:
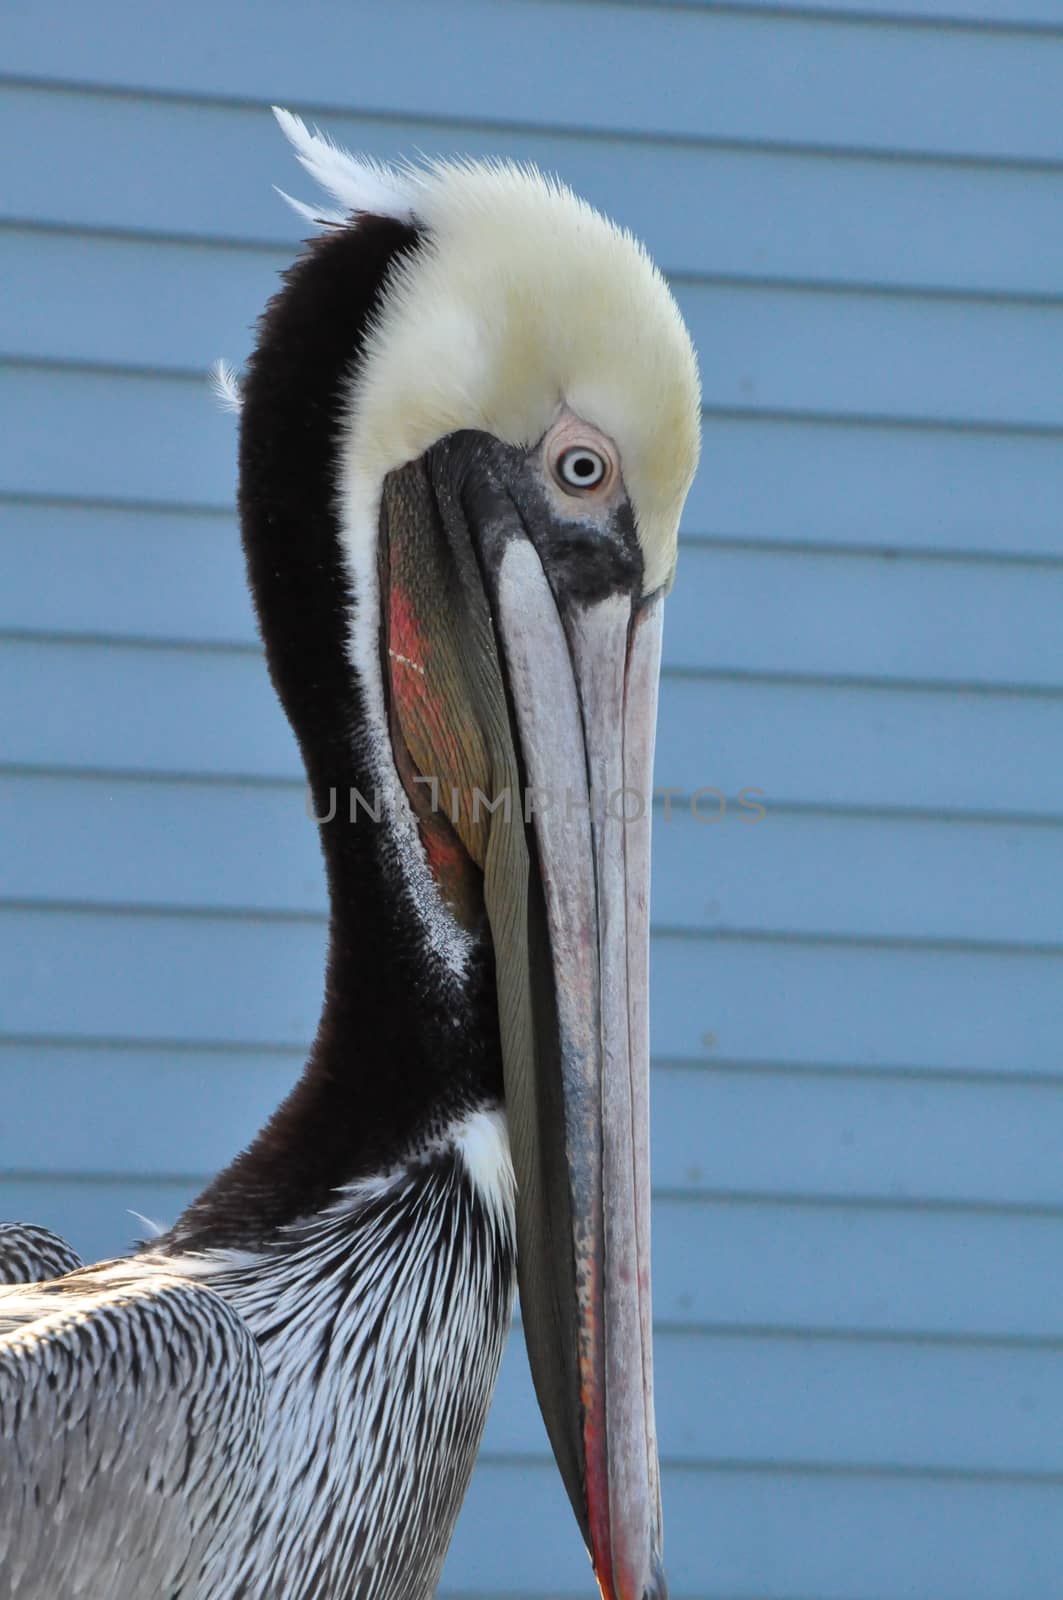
x=581 y=468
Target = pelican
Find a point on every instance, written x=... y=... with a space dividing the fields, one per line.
x=467 y=431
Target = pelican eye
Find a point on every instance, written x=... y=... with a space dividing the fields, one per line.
x=579 y=467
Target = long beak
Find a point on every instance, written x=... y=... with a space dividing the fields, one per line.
x=582 y=682
x=538 y=670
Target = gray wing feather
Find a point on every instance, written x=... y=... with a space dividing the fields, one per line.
x=130 y=1423
x=29 y=1253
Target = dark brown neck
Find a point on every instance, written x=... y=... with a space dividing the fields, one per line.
x=403 y=1045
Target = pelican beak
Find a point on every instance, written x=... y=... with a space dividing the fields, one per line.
x=583 y=684
x=581 y=660
x=548 y=655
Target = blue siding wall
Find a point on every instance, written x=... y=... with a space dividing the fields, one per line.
x=858 y=1000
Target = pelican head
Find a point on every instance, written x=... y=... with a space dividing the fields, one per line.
x=496 y=389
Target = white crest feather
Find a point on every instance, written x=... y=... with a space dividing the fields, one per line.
x=320 y=216
x=155 y=1229
x=354 y=182
x=225 y=386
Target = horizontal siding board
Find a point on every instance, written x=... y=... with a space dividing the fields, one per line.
x=844 y=1004
x=138 y=303
x=218 y=846
x=745 y=610
x=861 y=747
x=184 y=1113
x=143 y=710
x=181 y=573
x=837 y=875
x=702 y=209
x=98 y=301
x=795 y=480
x=1001 y=14
x=865 y=616
x=824 y=482
x=182 y=844
x=837 y=84
x=166 y=439
x=118 y=977
x=856 y=1270
x=819 y=1402
x=99 y=975
x=99 y=1218
x=748 y=1132
x=793 y=350
x=130 y=1114
x=193 y=710
x=747 y=1535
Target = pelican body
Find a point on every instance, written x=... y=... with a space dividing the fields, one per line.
x=468 y=428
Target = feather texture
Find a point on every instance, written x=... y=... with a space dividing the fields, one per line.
x=29 y=1253
x=298 y=1419
x=357 y=184
x=130 y=1417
